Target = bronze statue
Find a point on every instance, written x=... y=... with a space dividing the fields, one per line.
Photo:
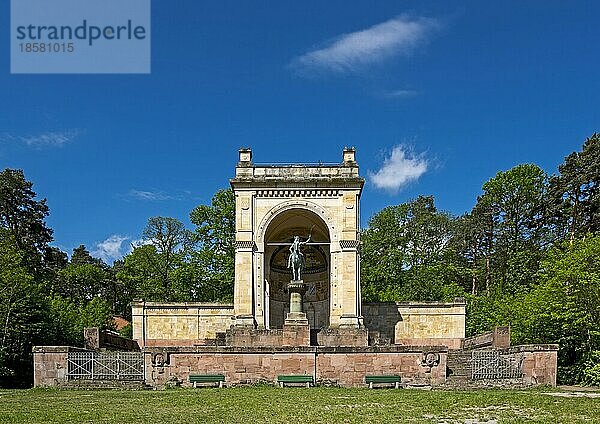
x=296 y=260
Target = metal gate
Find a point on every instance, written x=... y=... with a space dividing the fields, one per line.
x=105 y=366
x=490 y=365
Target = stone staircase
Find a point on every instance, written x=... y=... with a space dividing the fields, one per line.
x=458 y=368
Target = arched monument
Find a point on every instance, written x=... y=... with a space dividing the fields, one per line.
x=275 y=204
x=308 y=321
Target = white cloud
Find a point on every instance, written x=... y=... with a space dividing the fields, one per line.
x=47 y=139
x=356 y=50
x=399 y=169
x=149 y=195
x=111 y=248
x=403 y=93
x=139 y=243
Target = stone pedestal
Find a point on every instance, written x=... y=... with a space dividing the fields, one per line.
x=296 y=316
x=245 y=321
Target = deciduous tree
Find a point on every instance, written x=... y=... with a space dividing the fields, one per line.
x=215 y=253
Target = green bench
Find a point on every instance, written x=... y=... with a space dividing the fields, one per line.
x=207 y=378
x=382 y=379
x=295 y=379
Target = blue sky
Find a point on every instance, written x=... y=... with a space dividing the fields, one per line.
x=437 y=97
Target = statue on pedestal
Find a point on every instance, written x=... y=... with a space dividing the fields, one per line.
x=296 y=260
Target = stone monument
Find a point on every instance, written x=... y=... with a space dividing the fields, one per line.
x=275 y=203
x=297 y=306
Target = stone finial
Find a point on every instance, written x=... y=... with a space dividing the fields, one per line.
x=349 y=156
x=245 y=157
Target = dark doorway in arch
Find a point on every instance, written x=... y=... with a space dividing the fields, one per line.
x=316 y=276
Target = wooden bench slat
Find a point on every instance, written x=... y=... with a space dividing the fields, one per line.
x=207 y=378
x=295 y=378
x=382 y=379
x=306 y=379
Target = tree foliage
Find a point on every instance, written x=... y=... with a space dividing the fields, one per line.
x=213 y=259
x=22 y=319
x=574 y=203
x=527 y=253
x=24 y=217
x=405 y=252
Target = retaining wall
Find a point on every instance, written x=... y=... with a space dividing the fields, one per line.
x=337 y=366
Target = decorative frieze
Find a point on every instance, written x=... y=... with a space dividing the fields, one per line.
x=349 y=244
x=245 y=245
x=299 y=193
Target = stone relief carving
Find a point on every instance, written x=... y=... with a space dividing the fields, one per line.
x=430 y=360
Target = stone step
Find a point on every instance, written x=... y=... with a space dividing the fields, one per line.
x=458 y=364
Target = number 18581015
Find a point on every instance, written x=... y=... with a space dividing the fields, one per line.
x=47 y=47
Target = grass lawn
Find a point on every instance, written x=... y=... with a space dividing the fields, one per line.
x=293 y=405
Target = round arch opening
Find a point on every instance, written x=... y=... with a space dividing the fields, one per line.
x=278 y=238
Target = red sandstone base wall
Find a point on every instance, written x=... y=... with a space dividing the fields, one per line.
x=539 y=363
x=50 y=365
x=238 y=368
x=451 y=343
x=343 y=366
x=290 y=335
x=340 y=366
x=350 y=369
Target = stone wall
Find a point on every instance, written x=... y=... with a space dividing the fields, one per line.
x=535 y=365
x=337 y=366
x=239 y=367
x=431 y=323
x=418 y=323
x=50 y=364
x=343 y=366
x=347 y=367
x=337 y=337
x=95 y=338
x=539 y=363
x=499 y=338
x=196 y=324
x=290 y=335
x=381 y=318
x=179 y=324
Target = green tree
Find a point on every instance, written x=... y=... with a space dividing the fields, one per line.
x=473 y=242
x=169 y=237
x=24 y=217
x=81 y=256
x=22 y=320
x=564 y=307
x=55 y=259
x=510 y=213
x=213 y=259
x=575 y=192
x=68 y=319
x=139 y=271
x=82 y=283
x=404 y=254
x=150 y=271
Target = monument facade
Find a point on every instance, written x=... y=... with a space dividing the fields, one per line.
x=297 y=272
x=314 y=208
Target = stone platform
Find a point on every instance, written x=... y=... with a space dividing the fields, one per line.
x=339 y=366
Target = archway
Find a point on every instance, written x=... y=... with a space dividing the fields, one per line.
x=278 y=237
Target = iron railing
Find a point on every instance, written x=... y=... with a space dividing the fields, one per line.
x=105 y=366
x=491 y=365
